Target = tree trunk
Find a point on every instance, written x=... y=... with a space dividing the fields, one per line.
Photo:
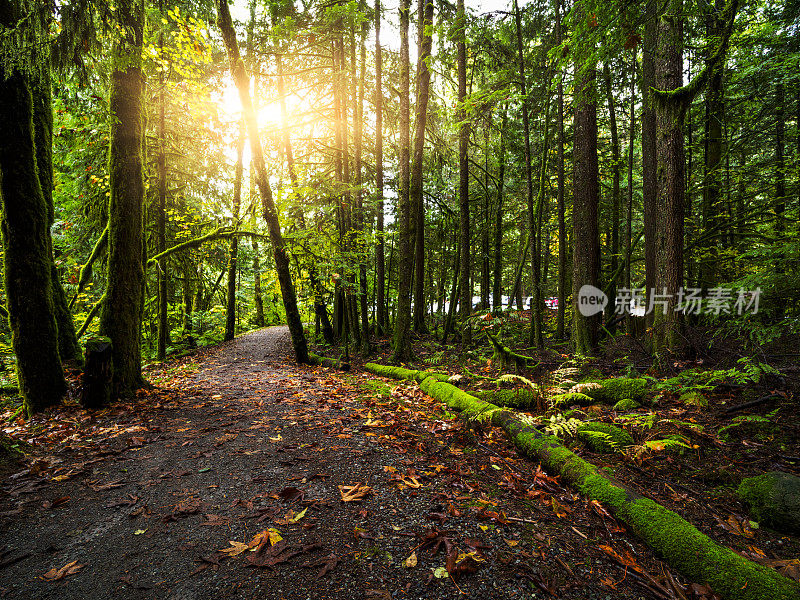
x=366 y=347
x=586 y=193
x=780 y=194
x=463 y=175
x=629 y=200
x=121 y=313
x=561 y=207
x=380 y=260
x=161 y=217
x=27 y=257
x=233 y=248
x=615 y=196
x=402 y=323
x=41 y=94
x=497 y=278
x=650 y=40
x=667 y=322
x=712 y=185
x=425 y=42
x=268 y=206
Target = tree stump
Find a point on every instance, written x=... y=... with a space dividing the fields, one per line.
x=97 y=373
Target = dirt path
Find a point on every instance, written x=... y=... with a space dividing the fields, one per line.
x=237 y=440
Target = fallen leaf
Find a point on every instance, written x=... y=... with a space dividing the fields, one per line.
x=355 y=492
x=328 y=564
x=236 y=548
x=68 y=569
x=411 y=561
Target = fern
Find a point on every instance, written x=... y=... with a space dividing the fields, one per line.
x=638 y=420
x=562 y=427
x=434 y=359
x=749 y=420
x=666 y=444
x=599 y=439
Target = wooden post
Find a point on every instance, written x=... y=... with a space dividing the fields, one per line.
x=97 y=373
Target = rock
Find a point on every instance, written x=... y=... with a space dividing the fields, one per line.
x=693 y=399
x=774 y=500
x=605 y=438
x=626 y=404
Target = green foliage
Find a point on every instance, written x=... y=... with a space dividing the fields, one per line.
x=753 y=421
x=603 y=437
x=561 y=426
x=694 y=380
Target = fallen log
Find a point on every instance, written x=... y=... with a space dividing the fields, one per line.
x=324 y=361
x=681 y=544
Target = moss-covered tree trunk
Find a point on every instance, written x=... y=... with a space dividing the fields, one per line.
x=41 y=95
x=121 y=314
x=27 y=257
x=270 y=212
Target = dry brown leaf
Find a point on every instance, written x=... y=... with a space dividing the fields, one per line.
x=68 y=569
x=355 y=492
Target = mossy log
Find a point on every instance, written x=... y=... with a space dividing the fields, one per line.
x=401 y=373
x=506 y=356
x=516 y=398
x=681 y=544
x=323 y=361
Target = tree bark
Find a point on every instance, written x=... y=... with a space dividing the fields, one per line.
x=27 y=257
x=586 y=200
x=380 y=258
x=615 y=196
x=560 y=205
x=463 y=175
x=233 y=248
x=161 y=216
x=402 y=323
x=650 y=40
x=424 y=44
x=497 y=278
x=268 y=205
x=670 y=178
x=121 y=313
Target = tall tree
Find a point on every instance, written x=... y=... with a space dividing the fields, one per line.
x=269 y=210
x=233 y=248
x=25 y=225
x=424 y=44
x=560 y=205
x=121 y=313
x=463 y=173
x=402 y=323
x=615 y=193
x=586 y=200
x=380 y=260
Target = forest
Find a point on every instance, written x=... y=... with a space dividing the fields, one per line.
x=563 y=232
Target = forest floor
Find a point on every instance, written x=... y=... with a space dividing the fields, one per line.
x=243 y=475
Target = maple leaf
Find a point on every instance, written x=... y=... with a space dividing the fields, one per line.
x=736 y=526
x=235 y=549
x=68 y=569
x=355 y=492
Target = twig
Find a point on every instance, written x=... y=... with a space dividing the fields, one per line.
x=755 y=402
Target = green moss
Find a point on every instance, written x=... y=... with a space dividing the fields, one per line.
x=517 y=398
x=774 y=499
x=626 y=404
x=602 y=437
x=701 y=559
x=612 y=391
x=570 y=399
x=393 y=372
x=693 y=399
